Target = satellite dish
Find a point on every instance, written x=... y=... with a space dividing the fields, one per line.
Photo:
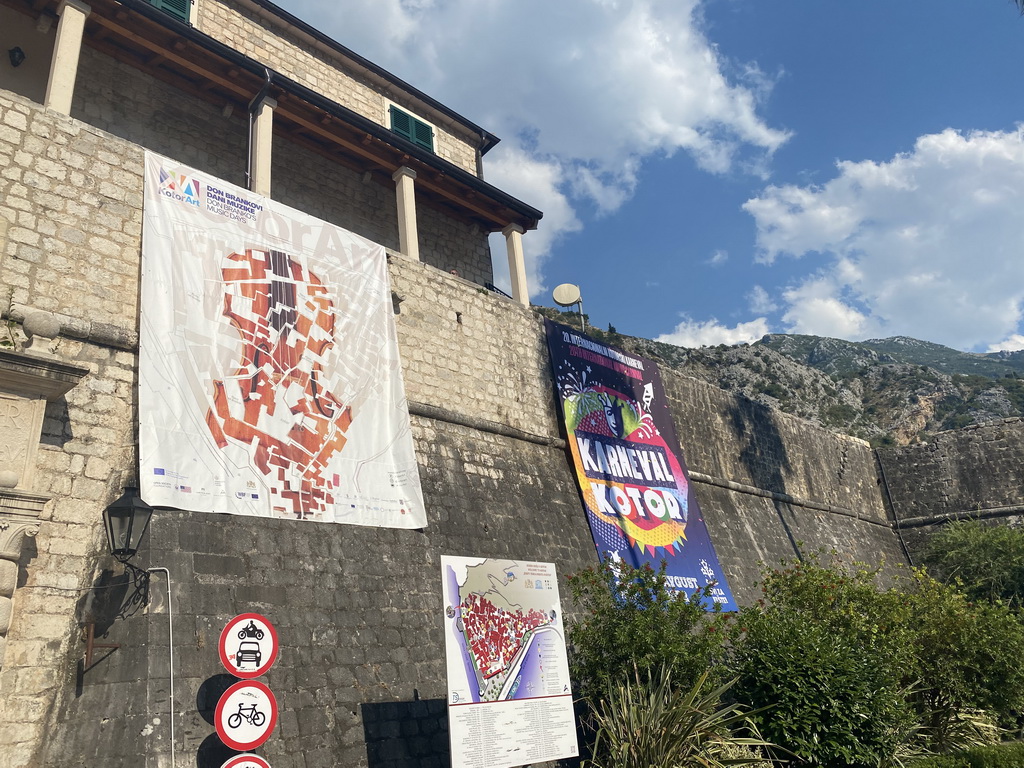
x=566 y=294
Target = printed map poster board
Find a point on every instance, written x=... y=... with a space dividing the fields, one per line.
x=269 y=378
x=628 y=464
x=509 y=696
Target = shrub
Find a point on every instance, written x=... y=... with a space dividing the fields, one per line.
x=967 y=658
x=988 y=560
x=828 y=649
x=650 y=721
x=631 y=622
x=942 y=761
x=1009 y=755
x=996 y=756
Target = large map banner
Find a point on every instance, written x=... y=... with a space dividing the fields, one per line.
x=269 y=377
x=509 y=696
x=628 y=464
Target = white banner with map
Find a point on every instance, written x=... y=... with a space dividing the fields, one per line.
x=509 y=695
x=269 y=378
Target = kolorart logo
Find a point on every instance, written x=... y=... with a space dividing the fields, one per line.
x=178 y=186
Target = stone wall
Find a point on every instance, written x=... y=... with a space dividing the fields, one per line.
x=361 y=675
x=773 y=486
x=261 y=37
x=70 y=217
x=196 y=134
x=977 y=471
x=144 y=111
x=87 y=449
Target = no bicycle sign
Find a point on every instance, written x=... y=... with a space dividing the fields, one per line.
x=246 y=714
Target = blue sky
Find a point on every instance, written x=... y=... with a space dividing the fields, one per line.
x=714 y=170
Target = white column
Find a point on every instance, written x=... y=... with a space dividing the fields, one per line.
x=516 y=263
x=261 y=146
x=60 y=88
x=405 y=191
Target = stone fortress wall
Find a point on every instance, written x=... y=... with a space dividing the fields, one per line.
x=361 y=674
x=972 y=473
x=357 y=608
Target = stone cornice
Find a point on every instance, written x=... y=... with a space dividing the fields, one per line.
x=36 y=376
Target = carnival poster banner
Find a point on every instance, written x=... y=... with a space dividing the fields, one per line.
x=269 y=377
x=629 y=467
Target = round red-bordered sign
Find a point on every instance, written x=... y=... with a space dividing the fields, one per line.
x=246 y=715
x=246 y=761
x=248 y=645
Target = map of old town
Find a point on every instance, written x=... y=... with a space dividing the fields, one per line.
x=502 y=606
x=509 y=695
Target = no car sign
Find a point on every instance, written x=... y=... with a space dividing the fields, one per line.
x=248 y=645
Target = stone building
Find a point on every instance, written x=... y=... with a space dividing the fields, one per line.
x=242 y=90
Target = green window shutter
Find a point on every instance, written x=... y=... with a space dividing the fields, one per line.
x=401 y=123
x=408 y=127
x=423 y=135
x=180 y=9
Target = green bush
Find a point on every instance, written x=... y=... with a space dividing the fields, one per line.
x=826 y=649
x=1009 y=755
x=942 y=761
x=988 y=560
x=630 y=621
x=996 y=756
x=967 y=658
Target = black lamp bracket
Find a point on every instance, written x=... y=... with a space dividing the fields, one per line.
x=138 y=597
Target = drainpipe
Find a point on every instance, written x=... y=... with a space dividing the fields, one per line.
x=253 y=106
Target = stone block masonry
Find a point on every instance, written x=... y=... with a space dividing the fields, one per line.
x=71 y=203
x=975 y=472
x=245 y=28
x=358 y=608
x=87 y=446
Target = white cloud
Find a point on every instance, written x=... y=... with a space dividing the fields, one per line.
x=760 y=302
x=584 y=89
x=814 y=307
x=709 y=333
x=1013 y=343
x=532 y=179
x=718 y=258
x=927 y=244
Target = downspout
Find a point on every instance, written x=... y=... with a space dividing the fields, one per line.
x=480 y=158
x=253 y=105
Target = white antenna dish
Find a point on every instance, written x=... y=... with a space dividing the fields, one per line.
x=566 y=294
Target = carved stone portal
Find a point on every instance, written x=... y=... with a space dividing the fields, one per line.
x=27 y=382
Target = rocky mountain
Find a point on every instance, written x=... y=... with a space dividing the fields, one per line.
x=887 y=391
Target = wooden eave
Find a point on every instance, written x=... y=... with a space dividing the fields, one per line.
x=148 y=40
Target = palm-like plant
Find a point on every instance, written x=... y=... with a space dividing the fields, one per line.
x=650 y=723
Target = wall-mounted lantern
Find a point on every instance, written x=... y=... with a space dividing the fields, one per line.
x=126 y=520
